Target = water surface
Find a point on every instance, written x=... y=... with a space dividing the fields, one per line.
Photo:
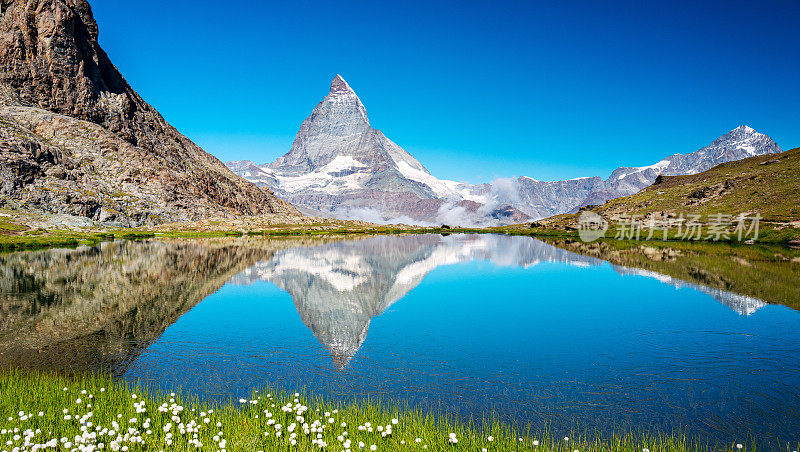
x=472 y=324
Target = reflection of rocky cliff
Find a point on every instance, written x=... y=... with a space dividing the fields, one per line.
x=339 y=287
x=99 y=307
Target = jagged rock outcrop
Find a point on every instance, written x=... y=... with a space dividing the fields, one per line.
x=75 y=138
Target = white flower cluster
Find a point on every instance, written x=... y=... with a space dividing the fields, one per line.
x=90 y=437
x=283 y=424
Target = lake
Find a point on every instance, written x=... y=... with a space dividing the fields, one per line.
x=559 y=335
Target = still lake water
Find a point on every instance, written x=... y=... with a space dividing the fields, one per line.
x=533 y=333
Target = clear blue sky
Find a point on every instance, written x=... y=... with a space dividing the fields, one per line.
x=474 y=90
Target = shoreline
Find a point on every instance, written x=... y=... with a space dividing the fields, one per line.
x=87 y=410
x=44 y=239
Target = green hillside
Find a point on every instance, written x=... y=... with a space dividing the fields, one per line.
x=768 y=184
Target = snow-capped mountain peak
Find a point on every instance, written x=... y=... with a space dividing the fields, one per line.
x=340 y=86
x=340 y=165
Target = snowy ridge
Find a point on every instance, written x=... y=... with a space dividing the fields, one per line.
x=543 y=199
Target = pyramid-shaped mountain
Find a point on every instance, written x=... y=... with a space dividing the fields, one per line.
x=342 y=165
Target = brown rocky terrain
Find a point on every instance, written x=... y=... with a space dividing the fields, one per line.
x=76 y=139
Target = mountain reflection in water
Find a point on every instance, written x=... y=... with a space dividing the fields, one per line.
x=94 y=308
x=339 y=287
x=99 y=307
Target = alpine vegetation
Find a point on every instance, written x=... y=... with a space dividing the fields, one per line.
x=92 y=413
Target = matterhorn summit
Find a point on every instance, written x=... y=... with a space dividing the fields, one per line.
x=340 y=165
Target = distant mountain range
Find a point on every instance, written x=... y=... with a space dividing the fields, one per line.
x=340 y=165
x=77 y=141
x=763 y=184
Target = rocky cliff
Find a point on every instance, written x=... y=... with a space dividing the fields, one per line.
x=75 y=138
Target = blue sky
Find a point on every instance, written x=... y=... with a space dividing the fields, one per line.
x=474 y=90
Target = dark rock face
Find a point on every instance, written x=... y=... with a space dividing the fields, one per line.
x=51 y=62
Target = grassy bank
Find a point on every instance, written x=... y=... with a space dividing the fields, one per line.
x=40 y=239
x=87 y=411
x=566 y=226
x=64 y=239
